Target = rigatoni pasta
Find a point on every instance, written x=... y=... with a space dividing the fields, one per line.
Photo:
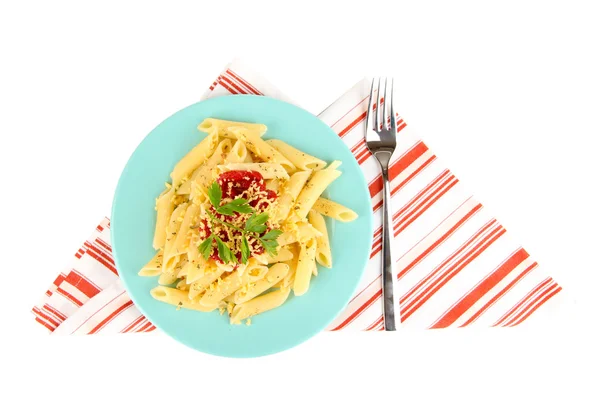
x=242 y=224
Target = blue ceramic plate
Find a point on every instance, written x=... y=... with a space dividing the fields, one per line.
x=133 y=219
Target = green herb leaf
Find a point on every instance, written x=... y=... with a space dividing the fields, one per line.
x=245 y=250
x=215 y=194
x=258 y=228
x=237 y=205
x=206 y=247
x=225 y=254
x=270 y=246
x=272 y=234
x=256 y=223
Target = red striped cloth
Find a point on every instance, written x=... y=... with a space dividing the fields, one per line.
x=456 y=264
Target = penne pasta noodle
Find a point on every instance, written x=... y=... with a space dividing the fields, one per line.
x=196 y=270
x=167 y=278
x=229 y=299
x=164 y=209
x=259 y=305
x=323 y=254
x=210 y=275
x=262 y=259
x=289 y=194
x=334 y=164
x=301 y=160
x=181 y=242
x=261 y=149
x=305 y=267
x=194 y=158
x=186 y=183
x=306 y=232
x=177 y=298
x=287 y=238
x=282 y=255
x=172 y=229
x=334 y=210
x=267 y=170
x=184 y=270
x=237 y=154
x=275 y=274
x=288 y=280
x=315 y=186
x=205 y=175
x=297 y=232
x=221 y=127
x=272 y=184
x=232 y=282
x=154 y=266
x=193 y=253
x=198 y=194
x=249 y=158
x=181 y=285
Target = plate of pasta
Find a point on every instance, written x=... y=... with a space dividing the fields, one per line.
x=241 y=226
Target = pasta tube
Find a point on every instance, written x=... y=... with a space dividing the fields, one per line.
x=259 y=305
x=194 y=158
x=323 y=255
x=315 y=186
x=177 y=298
x=275 y=274
x=289 y=194
x=223 y=288
x=221 y=127
x=164 y=209
x=305 y=267
x=334 y=210
x=300 y=159
x=154 y=266
x=262 y=149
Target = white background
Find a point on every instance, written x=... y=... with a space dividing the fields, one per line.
x=508 y=94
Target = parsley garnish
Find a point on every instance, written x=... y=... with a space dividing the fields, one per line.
x=238 y=205
x=206 y=247
x=215 y=194
x=225 y=252
x=245 y=250
x=269 y=241
x=255 y=225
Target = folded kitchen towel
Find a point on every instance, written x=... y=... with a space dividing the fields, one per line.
x=456 y=264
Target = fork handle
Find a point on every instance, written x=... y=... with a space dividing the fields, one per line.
x=389 y=296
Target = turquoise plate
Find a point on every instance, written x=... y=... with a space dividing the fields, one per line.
x=133 y=219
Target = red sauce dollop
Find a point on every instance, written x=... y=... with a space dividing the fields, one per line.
x=234 y=184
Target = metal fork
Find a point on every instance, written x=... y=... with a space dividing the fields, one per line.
x=381 y=141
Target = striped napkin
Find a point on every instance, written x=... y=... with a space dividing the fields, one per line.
x=456 y=264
